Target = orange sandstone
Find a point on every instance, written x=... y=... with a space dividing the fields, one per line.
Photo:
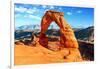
x=67 y=38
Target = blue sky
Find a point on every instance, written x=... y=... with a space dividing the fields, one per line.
x=29 y=14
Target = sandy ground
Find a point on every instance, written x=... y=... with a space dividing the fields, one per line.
x=40 y=55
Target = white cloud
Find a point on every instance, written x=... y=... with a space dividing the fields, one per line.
x=20 y=9
x=79 y=11
x=51 y=7
x=30 y=11
x=60 y=8
x=26 y=10
x=25 y=16
x=35 y=8
x=44 y=6
x=17 y=15
x=34 y=17
x=69 y=13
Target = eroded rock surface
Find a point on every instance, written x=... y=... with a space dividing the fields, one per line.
x=40 y=55
x=44 y=51
x=67 y=37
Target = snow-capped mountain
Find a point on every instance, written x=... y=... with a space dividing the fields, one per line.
x=28 y=27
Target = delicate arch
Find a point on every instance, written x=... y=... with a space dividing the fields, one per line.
x=67 y=38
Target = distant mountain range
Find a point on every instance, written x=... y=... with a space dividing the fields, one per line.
x=31 y=27
x=86 y=34
x=28 y=27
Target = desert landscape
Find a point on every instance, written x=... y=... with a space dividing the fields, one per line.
x=38 y=41
x=25 y=53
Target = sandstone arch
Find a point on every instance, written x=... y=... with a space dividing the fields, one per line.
x=67 y=38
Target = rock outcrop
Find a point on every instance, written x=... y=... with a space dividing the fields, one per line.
x=45 y=51
x=67 y=37
x=38 y=54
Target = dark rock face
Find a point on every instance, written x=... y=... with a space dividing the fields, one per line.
x=86 y=50
x=85 y=34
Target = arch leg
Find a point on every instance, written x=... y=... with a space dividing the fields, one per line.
x=43 y=40
x=67 y=37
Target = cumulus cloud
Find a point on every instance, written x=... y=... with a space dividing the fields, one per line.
x=17 y=15
x=34 y=17
x=26 y=10
x=20 y=9
x=51 y=7
x=25 y=16
x=79 y=11
x=44 y=6
x=30 y=11
x=60 y=8
x=69 y=13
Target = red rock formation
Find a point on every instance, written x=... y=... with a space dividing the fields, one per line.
x=67 y=38
x=29 y=55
